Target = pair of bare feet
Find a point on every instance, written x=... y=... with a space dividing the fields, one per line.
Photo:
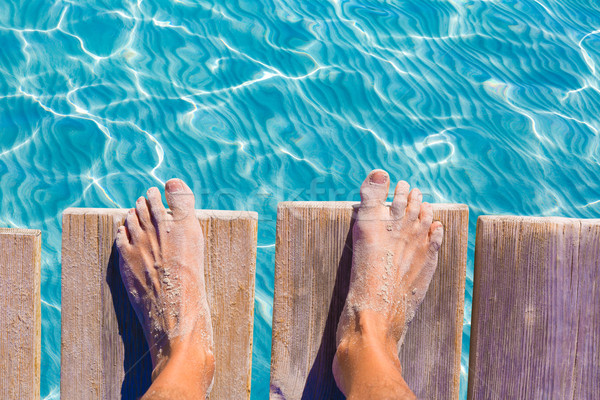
x=395 y=252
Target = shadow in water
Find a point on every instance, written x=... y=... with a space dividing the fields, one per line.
x=137 y=363
x=320 y=383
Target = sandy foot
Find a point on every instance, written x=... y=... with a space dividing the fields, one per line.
x=162 y=266
x=395 y=251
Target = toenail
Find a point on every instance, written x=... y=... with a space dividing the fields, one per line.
x=379 y=178
x=174 y=185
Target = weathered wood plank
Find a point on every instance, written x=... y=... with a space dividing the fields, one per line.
x=104 y=353
x=587 y=360
x=312 y=270
x=20 y=320
x=536 y=309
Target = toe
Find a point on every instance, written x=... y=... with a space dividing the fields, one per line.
x=374 y=190
x=414 y=204
x=143 y=213
x=420 y=278
x=400 y=199
x=157 y=209
x=426 y=216
x=122 y=240
x=179 y=198
x=132 y=223
x=436 y=235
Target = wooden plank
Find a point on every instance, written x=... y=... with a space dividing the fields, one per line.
x=536 y=309
x=104 y=353
x=20 y=319
x=587 y=359
x=312 y=270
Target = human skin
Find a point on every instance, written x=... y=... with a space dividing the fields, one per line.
x=395 y=252
x=162 y=266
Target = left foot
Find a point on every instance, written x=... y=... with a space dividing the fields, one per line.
x=162 y=266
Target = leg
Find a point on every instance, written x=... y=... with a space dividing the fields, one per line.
x=394 y=257
x=162 y=266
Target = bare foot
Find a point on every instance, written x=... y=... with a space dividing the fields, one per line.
x=162 y=266
x=395 y=251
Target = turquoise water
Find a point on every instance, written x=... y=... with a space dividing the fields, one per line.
x=490 y=103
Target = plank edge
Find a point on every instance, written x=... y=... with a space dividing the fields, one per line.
x=202 y=214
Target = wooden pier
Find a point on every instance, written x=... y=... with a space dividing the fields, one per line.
x=312 y=273
x=535 y=321
x=20 y=318
x=104 y=354
x=536 y=309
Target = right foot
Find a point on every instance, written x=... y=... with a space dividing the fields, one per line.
x=395 y=252
x=162 y=266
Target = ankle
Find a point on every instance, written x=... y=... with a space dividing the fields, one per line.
x=366 y=351
x=367 y=347
x=364 y=364
x=188 y=362
x=367 y=328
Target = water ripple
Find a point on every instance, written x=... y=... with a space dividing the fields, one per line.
x=491 y=103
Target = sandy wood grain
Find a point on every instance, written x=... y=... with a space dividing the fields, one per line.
x=104 y=353
x=20 y=320
x=536 y=309
x=312 y=270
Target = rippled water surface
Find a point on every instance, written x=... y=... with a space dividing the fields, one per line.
x=490 y=103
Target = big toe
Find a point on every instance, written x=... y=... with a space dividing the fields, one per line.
x=374 y=190
x=179 y=198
